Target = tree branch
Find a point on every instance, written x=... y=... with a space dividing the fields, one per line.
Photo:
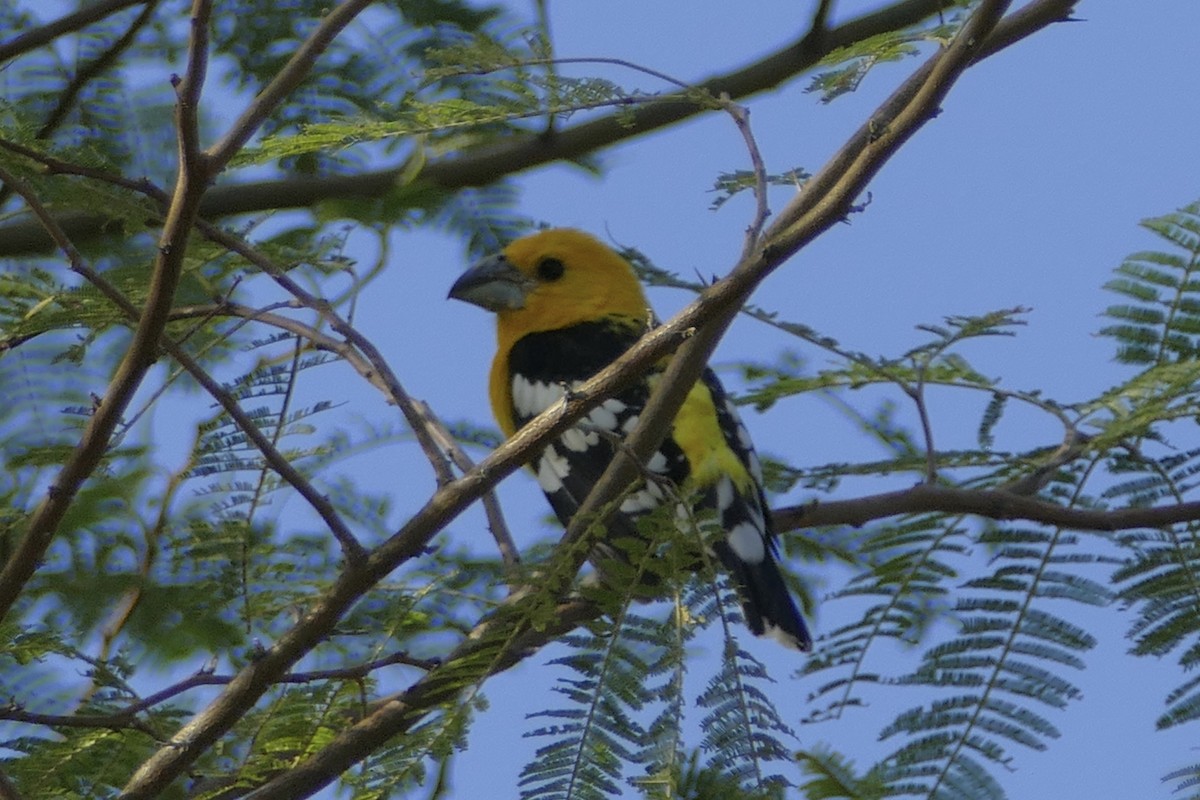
x=126 y=717
x=493 y=639
x=284 y=82
x=991 y=503
x=205 y=728
x=382 y=376
x=517 y=154
x=706 y=316
x=143 y=349
x=509 y=554
x=31 y=40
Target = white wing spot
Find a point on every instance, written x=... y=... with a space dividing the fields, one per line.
x=629 y=424
x=603 y=418
x=552 y=468
x=724 y=494
x=657 y=462
x=773 y=631
x=746 y=542
x=578 y=441
x=614 y=405
x=531 y=398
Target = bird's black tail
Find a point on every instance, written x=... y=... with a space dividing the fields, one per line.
x=766 y=602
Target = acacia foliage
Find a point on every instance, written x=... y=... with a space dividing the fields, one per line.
x=180 y=567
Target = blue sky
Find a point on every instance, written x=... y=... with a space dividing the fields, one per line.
x=1026 y=191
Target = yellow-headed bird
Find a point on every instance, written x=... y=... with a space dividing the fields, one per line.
x=566 y=306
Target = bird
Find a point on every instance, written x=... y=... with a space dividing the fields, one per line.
x=566 y=306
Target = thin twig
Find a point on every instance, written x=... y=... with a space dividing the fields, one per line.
x=990 y=503
x=387 y=378
x=487 y=164
x=192 y=163
x=741 y=118
x=917 y=394
x=509 y=553
x=56 y=166
x=31 y=40
x=285 y=81
x=126 y=717
x=65 y=99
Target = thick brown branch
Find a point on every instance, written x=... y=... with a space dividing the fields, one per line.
x=993 y=504
x=710 y=312
x=142 y=351
x=494 y=639
x=483 y=166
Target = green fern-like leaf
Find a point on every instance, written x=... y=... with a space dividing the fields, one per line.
x=1162 y=320
x=848 y=66
x=1007 y=655
x=742 y=729
x=831 y=776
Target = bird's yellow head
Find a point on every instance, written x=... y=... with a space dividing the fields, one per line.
x=552 y=280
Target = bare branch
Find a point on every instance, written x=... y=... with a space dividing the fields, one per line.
x=386 y=378
x=993 y=504
x=509 y=553
x=707 y=317
x=284 y=82
x=494 y=639
x=517 y=154
x=31 y=40
x=741 y=118
x=142 y=351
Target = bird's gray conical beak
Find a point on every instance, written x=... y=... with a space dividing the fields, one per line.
x=494 y=284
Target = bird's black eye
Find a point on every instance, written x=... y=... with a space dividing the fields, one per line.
x=550 y=269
